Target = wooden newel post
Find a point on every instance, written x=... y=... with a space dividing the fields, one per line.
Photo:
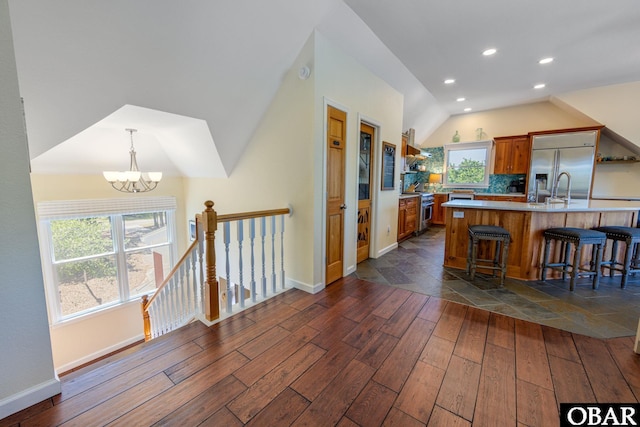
x=146 y=321
x=212 y=291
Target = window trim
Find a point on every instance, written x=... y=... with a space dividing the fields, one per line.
x=115 y=209
x=488 y=145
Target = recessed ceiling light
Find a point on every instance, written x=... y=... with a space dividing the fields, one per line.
x=466 y=110
x=539 y=86
x=461 y=99
x=489 y=52
x=449 y=81
x=545 y=60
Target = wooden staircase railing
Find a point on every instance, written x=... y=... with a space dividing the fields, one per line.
x=192 y=288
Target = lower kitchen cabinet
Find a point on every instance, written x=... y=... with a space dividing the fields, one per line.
x=438 y=210
x=407 y=217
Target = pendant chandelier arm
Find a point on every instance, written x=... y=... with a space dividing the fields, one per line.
x=134 y=180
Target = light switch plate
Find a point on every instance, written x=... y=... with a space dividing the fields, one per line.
x=458 y=214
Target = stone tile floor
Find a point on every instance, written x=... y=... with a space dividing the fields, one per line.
x=416 y=265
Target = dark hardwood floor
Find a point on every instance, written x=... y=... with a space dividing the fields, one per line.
x=356 y=353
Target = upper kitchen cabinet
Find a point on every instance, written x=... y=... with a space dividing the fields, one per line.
x=411 y=156
x=512 y=154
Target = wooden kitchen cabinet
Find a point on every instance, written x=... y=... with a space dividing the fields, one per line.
x=407 y=217
x=513 y=154
x=438 y=210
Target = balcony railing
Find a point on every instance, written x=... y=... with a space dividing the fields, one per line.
x=251 y=270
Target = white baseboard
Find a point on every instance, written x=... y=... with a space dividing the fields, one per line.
x=98 y=354
x=350 y=269
x=31 y=396
x=312 y=289
x=387 y=249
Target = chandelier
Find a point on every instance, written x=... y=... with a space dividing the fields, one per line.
x=133 y=181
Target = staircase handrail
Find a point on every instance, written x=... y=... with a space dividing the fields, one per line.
x=206 y=226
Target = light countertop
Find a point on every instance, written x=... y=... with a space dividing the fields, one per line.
x=501 y=194
x=409 y=195
x=574 y=206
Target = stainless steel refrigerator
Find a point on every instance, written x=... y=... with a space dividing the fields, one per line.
x=552 y=154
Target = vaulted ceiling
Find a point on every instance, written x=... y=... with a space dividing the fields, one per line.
x=197 y=76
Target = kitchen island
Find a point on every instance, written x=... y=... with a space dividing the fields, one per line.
x=526 y=222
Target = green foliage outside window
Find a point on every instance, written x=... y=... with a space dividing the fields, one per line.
x=467 y=172
x=76 y=238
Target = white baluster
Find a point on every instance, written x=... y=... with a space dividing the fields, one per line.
x=162 y=301
x=227 y=239
x=166 y=294
x=186 y=308
x=263 y=234
x=273 y=254
x=189 y=309
x=180 y=302
x=152 y=319
x=175 y=311
x=200 y=284
x=194 y=281
x=174 y=306
x=252 y=236
x=240 y=296
x=282 y=250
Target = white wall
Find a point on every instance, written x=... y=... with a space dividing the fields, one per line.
x=614 y=106
x=79 y=341
x=346 y=83
x=82 y=340
x=616 y=180
x=26 y=366
x=275 y=171
x=284 y=162
x=518 y=120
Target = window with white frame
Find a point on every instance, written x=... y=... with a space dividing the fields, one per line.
x=99 y=253
x=466 y=164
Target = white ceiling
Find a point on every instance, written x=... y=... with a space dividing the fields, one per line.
x=196 y=77
x=594 y=43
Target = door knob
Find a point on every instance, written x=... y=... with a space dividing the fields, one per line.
x=343 y=206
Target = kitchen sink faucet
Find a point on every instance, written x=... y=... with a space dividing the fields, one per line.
x=554 y=192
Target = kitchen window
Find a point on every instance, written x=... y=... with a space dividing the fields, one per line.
x=466 y=164
x=103 y=255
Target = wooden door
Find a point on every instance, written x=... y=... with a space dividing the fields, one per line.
x=365 y=185
x=336 y=151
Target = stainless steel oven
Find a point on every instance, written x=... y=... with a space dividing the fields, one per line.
x=426 y=212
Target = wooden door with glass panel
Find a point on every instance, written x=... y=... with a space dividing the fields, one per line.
x=365 y=162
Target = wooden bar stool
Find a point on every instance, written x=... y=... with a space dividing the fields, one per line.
x=577 y=237
x=631 y=263
x=499 y=261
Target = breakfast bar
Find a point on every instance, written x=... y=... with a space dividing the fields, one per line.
x=526 y=223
